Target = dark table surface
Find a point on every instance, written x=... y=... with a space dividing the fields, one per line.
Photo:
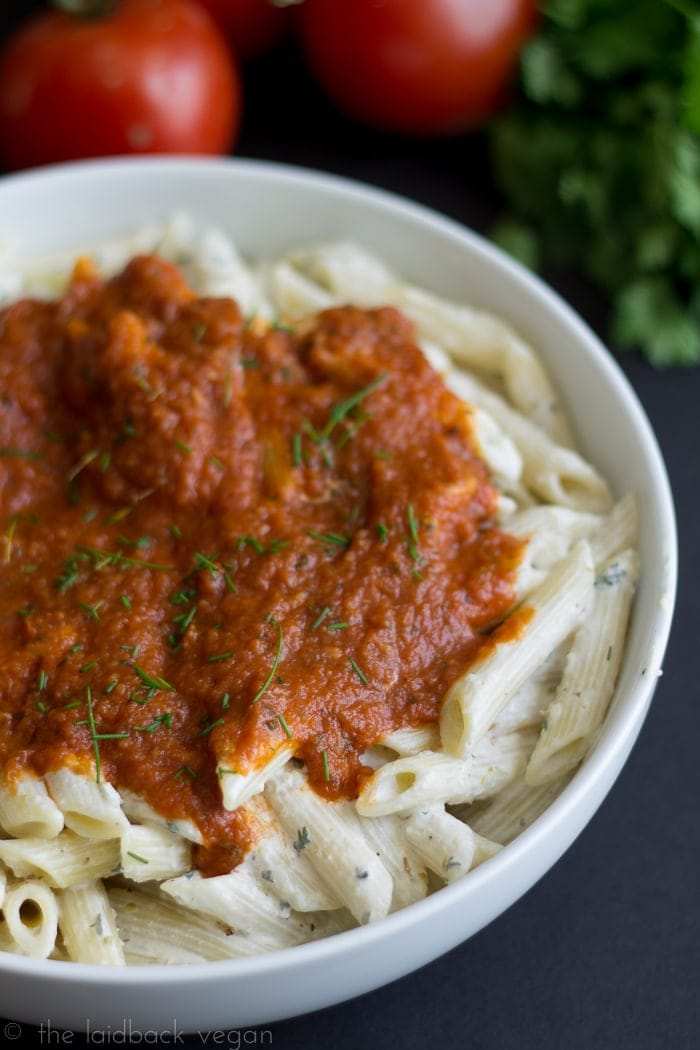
x=604 y=952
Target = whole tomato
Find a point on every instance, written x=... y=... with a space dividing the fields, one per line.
x=145 y=76
x=250 y=26
x=424 y=67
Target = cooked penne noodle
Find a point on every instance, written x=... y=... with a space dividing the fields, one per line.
x=387 y=837
x=140 y=812
x=92 y=870
x=474 y=702
x=553 y=472
x=617 y=531
x=237 y=788
x=62 y=861
x=91 y=810
x=156 y=930
x=89 y=926
x=26 y=809
x=31 y=918
x=504 y=816
x=285 y=872
x=151 y=853
x=331 y=837
x=416 y=781
x=240 y=901
x=444 y=843
x=589 y=677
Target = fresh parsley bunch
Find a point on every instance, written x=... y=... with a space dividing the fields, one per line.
x=599 y=161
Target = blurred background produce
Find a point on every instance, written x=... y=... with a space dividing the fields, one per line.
x=583 y=115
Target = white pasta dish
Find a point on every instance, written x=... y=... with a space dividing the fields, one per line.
x=343 y=814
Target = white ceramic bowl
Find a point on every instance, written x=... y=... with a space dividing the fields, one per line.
x=268 y=208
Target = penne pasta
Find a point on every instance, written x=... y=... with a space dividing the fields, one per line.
x=589 y=677
x=89 y=926
x=474 y=702
x=311 y=624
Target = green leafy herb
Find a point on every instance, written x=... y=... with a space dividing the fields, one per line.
x=599 y=163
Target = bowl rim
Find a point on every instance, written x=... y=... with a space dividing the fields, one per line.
x=602 y=765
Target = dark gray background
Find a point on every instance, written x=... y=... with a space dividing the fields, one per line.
x=604 y=952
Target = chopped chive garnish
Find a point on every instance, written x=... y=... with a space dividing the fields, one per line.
x=20 y=453
x=412 y=533
x=283 y=722
x=111 y=685
x=219 y=656
x=341 y=410
x=330 y=539
x=41 y=706
x=93 y=734
x=136 y=856
x=204 y=561
x=154 y=681
x=43 y=681
x=326 y=770
x=125 y=600
x=69 y=574
x=221 y=771
x=185 y=769
x=92 y=610
x=159 y=720
x=88 y=667
x=105 y=460
x=176 y=531
x=182 y=446
x=250 y=541
x=216 y=462
x=212 y=725
x=230 y=584
x=321 y=617
x=72 y=704
x=225 y=700
x=297 y=450
x=382 y=532
x=338 y=625
x=358 y=671
x=76 y=648
x=275 y=665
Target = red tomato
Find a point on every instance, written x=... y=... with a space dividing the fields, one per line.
x=423 y=67
x=251 y=26
x=152 y=76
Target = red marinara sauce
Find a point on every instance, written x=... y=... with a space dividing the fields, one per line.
x=219 y=537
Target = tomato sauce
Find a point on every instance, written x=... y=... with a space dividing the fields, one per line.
x=219 y=538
